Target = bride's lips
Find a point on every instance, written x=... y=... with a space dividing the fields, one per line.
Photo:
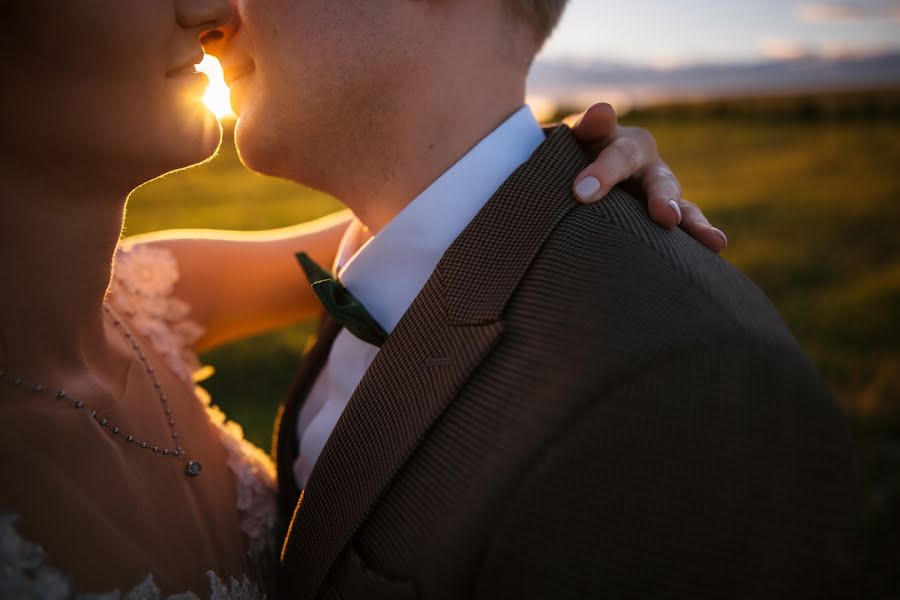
x=186 y=68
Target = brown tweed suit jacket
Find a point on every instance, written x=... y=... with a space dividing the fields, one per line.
x=579 y=404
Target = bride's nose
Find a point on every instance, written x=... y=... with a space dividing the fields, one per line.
x=203 y=15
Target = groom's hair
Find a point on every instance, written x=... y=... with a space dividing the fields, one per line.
x=541 y=15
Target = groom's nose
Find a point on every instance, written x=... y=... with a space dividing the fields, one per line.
x=216 y=42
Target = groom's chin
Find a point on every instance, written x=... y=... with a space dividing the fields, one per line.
x=251 y=148
x=261 y=149
x=285 y=149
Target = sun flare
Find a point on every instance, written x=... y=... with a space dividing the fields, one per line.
x=217 y=97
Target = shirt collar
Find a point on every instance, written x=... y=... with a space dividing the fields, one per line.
x=389 y=270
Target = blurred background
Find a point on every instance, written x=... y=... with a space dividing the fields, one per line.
x=781 y=119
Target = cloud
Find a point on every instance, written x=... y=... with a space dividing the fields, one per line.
x=778 y=48
x=785 y=49
x=854 y=51
x=844 y=12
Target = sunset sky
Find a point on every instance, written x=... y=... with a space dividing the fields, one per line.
x=668 y=33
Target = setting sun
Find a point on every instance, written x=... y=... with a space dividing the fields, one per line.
x=217 y=97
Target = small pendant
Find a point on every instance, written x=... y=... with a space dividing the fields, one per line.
x=193 y=468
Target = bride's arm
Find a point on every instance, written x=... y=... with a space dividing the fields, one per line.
x=240 y=284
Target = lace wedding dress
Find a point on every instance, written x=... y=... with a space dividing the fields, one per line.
x=142 y=289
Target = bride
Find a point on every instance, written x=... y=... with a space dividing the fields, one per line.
x=117 y=475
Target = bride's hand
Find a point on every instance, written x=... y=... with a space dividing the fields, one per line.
x=625 y=153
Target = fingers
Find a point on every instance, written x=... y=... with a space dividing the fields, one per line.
x=630 y=152
x=663 y=193
x=597 y=125
x=695 y=223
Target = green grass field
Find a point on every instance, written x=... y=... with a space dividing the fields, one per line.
x=812 y=210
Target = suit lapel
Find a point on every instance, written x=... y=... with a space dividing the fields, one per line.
x=451 y=327
x=284 y=439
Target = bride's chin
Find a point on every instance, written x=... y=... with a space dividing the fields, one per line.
x=178 y=152
x=199 y=139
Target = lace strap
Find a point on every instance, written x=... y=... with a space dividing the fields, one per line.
x=142 y=288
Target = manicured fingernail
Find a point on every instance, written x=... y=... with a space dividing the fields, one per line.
x=721 y=234
x=677 y=210
x=588 y=189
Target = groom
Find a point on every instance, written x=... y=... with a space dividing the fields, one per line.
x=517 y=396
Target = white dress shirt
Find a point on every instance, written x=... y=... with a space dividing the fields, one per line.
x=388 y=271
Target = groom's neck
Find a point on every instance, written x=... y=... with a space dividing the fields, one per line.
x=440 y=121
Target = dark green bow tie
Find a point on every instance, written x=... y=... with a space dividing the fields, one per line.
x=341 y=304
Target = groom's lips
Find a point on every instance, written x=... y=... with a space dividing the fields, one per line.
x=233 y=74
x=234 y=79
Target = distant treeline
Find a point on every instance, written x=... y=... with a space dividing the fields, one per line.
x=819 y=106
